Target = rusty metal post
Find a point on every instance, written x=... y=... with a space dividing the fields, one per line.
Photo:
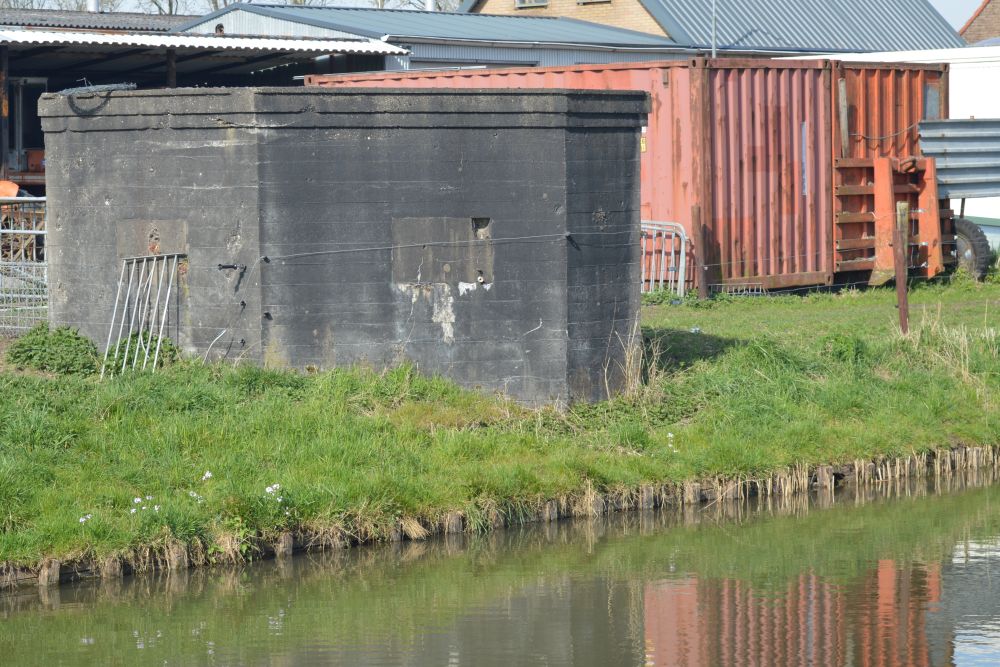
x=901 y=248
x=4 y=112
x=700 y=253
x=171 y=68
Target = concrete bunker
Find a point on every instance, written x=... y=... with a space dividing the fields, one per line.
x=487 y=236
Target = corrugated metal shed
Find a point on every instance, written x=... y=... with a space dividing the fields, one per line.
x=404 y=24
x=55 y=18
x=238 y=21
x=828 y=25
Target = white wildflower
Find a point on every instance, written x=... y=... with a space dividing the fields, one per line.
x=269 y=490
x=136 y=501
x=149 y=497
x=156 y=508
x=132 y=511
x=206 y=476
x=280 y=499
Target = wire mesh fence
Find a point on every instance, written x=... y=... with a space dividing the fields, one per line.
x=24 y=285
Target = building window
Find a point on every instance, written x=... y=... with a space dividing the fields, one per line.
x=592 y=2
x=528 y=4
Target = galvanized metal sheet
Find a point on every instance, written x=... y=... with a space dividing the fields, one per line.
x=793 y=25
x=967 y=154
x=379 y=23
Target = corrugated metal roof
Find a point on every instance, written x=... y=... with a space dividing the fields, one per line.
x=807 y=25
x=379 y=23
x=51 y=18
x=210 y=42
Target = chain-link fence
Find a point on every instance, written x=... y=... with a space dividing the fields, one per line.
x=24 y=289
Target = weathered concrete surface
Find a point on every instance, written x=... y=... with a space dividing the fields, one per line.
x=489 y=236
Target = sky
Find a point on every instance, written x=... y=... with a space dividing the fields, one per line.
x=956 y=11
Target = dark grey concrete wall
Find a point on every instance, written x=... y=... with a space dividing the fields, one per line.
x=377 y=226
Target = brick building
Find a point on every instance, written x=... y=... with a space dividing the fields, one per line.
x=984 y=23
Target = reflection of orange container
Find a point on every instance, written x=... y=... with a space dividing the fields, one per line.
x=36 y=159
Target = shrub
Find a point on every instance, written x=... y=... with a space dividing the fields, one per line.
x=845 y=348
x=140 y=349
x=61 y=350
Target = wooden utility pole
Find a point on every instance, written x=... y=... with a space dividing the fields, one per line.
x=901 y=253
x=700 y=252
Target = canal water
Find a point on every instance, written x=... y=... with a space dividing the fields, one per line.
x=908 y=575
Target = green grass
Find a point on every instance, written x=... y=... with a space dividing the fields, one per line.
x=738 y=387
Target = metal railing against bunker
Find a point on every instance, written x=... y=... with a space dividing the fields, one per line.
x=24 y=271
x=664 y=252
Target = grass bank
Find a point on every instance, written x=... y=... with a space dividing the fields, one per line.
x=215 y=458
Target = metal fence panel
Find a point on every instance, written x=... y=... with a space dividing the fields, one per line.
x=967 y=153
x=664 y=251
x=24 y=290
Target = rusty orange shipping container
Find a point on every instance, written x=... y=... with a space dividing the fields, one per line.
x=784 y=173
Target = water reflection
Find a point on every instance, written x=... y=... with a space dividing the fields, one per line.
x=879 y=619
x=862 y=582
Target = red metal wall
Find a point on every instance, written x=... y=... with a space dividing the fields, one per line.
x=884 y=104
x=667 y=156
x=753 y=143
x=876 y=110
x=767 y=160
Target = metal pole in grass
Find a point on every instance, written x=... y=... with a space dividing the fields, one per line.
x=135 y=309
x=700 y=252
x=901 y=252
x=156 y=309
x=121 y=324
x=114 y=317
x=143 y=315
x=163 y=315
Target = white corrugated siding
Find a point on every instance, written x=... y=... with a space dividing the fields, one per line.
x=318 y=46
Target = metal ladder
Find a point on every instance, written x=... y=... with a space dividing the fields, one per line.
x=865 y=196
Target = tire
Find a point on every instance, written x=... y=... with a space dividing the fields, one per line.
x=973 y=248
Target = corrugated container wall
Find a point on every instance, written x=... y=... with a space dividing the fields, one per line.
x=749 y=145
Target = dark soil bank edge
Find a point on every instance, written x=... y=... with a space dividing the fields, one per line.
x=588 y=502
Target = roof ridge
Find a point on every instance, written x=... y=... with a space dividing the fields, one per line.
x=395 y=10
x=975 y=15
